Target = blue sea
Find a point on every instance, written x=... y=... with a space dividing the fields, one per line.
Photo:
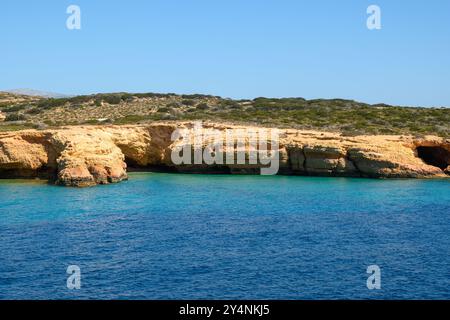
x=174 y=236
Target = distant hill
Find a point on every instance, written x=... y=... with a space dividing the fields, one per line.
x=37 y=93
x=8 y=98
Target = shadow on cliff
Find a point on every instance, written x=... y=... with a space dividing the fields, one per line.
x=435 y=156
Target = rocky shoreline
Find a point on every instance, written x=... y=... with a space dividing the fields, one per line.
x=89 y=155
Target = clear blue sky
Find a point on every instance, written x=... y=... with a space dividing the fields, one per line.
x=232 y=48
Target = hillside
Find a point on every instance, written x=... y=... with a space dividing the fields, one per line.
x=336 y=115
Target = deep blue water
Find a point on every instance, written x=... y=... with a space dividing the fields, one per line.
x=169 y=236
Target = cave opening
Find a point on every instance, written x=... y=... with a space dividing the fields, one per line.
x=434 y=156
x=134 y=166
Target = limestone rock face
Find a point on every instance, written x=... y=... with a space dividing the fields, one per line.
x=2 y=117
x=85 y=156
x=327 y=160
x=75 y=157
x=88 y=157
x=27 y=154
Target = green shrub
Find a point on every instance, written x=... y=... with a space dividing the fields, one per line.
x=202 y=106
x=15 y=108
x=229 y=103
x=196 y=96
x=164 y=109
x=112 y=99
x=49 y=122
x=188 y=102
x=173 y=105
x=92 y=121
x=127 y=97
x=153 y=95
x=33 y=111
x=15 y=127
x=52 y=103
x=15 y=117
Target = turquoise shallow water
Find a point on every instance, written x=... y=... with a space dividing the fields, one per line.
x=170 y=236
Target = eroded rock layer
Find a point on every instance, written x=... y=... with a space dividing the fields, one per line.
x=85 y=156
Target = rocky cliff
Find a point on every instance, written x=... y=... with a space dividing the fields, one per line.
x=85 y=156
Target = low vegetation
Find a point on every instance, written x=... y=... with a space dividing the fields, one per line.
x=346 y=116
